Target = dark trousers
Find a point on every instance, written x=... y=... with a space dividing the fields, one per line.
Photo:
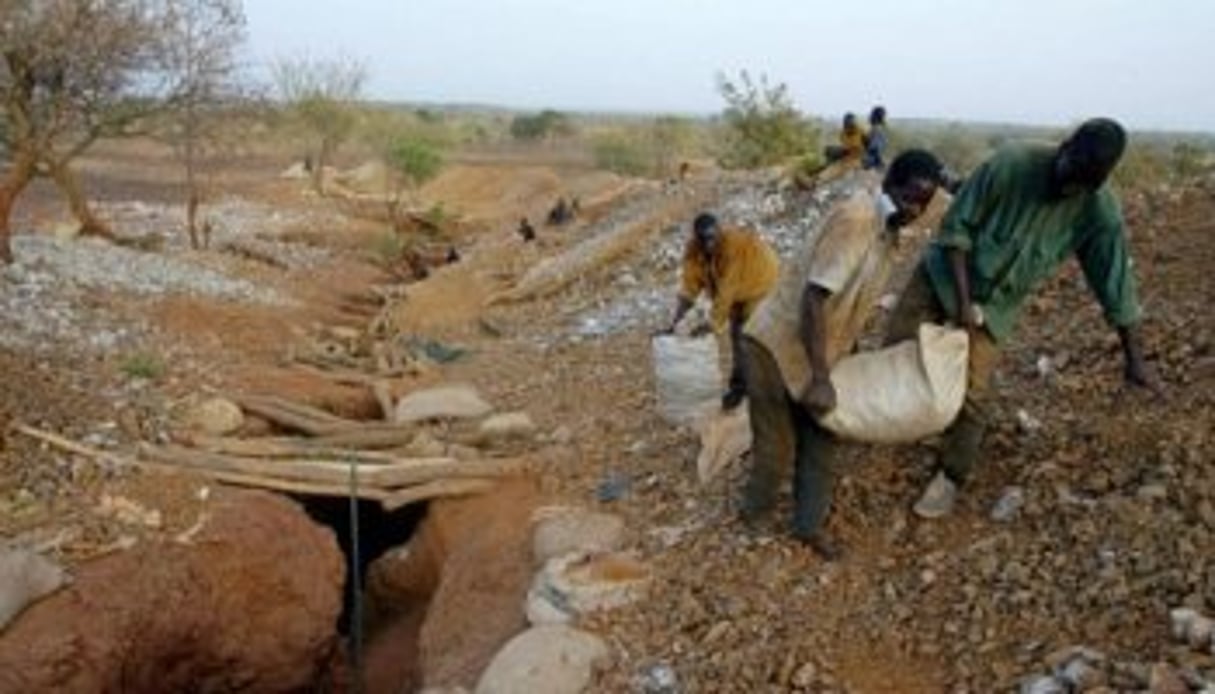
x=961 y=443
x=784 y=434
x=738 y=371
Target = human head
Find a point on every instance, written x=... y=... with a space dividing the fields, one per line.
x=877 y=116
x=910 y=183
x=849 y=121
x=1085 y=160
x=704 y=228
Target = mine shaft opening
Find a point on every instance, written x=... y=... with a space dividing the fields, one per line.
x=379 y=531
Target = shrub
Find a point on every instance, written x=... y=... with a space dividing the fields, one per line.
x=617 y=152
x=763 y=128
x=548 y=123
x=144 y=366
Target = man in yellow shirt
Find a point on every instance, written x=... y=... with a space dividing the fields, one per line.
x=814 y=317
x=737 y=269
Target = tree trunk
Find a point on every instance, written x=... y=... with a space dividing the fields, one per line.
x=192 y=217
x=322 y=160
x=19 y=175
x=67 y=181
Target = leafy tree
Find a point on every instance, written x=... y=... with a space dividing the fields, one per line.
x=75 y=71
x=541 y=126
x=413 y=162
x=210 y=32
x=322 y=94
x=763 y=128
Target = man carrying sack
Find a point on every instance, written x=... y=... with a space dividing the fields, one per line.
x=737 y=269
x=1015 y=220
x=812 y=319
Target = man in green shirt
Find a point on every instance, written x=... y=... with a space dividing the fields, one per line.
x=1015 y=220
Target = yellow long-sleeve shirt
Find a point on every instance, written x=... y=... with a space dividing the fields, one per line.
x=742 y=271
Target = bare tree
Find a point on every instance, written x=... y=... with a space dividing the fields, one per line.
x=72 y=72
x=209 y=33
x=322 y=93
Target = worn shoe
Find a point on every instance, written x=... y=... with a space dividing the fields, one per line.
x=938 y=498
x=823 y=546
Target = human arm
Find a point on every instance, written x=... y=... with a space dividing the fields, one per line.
x=692 y=283
x=1106 y=263
x=967 y=316
x=969 y=212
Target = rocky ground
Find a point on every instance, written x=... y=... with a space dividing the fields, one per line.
x=1091 y=518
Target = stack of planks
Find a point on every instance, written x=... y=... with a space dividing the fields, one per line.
x=332 y=456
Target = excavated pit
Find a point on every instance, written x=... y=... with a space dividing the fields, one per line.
x=390 y=624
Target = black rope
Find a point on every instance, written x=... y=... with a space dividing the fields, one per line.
x=356 y=586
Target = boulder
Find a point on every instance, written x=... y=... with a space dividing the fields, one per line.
x=550 y=659
x=25 y=578
x=444 y=402
x=580 y=583
x=482 y=546
x=215 y=417
x=251 y=605
x=507 y=426
x=562 y=531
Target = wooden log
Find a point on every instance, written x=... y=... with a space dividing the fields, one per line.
x=292 y=418
x=421 y=471
x=372 y=436
x=383 y=395
x=321 y=471
x=299 y=408
x=400 y=472
x=286 y=447
x=66 y=444
x=339 y=375
x=275 y=483
x=435 y=490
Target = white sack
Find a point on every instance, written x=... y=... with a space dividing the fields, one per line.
x=904 y=392
x=686 y=375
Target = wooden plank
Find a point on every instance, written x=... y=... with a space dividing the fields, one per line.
x=421 y=471
x=274 y=483
x=286 y=447
x=66 y=444
x=435 y=490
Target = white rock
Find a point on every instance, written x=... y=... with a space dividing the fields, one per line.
x=550 y=659
x=1027 y=422
x=659 y=678
x=576 y=530
x=506 y=426
x=1201 y=628
x=446 y=402
x=579 y=583
x=25 y=577
x=1042 y=685
x=1008 y=505
x=215 y=417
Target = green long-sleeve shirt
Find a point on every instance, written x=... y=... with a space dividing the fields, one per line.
x=1016 y=233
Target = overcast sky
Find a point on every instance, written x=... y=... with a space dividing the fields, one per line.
x=1150 y=63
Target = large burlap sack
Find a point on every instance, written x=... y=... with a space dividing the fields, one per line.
x=25 y=578
x=687 y=377
x=904 y=392
x=725 y=437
